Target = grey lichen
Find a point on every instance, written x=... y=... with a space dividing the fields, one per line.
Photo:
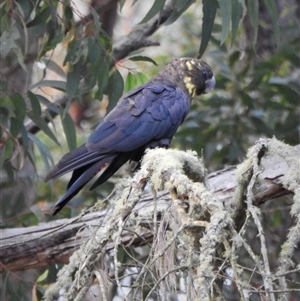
x=160 y=161
x=196 y=227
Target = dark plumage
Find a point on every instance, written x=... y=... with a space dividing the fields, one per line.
x=146 y=117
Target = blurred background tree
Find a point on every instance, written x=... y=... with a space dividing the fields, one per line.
x=65 y=64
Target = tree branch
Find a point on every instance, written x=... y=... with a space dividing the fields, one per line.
x=138 y=37
x=54 y=242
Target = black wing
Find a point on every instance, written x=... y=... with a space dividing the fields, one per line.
x=142 y=118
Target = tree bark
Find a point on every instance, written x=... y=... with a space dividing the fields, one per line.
x=54 y=242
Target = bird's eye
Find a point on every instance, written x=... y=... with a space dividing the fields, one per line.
x=205 y=75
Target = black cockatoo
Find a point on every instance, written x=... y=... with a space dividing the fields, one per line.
x=146 y=117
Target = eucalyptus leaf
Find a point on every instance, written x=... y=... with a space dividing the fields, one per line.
x=56 y=84
x=253 y=16
x=130 y=82
x=41 y=17
x=69 y=130
x=20 y=58
x=68 y=13
x=157 y=6
x=96 y=20
x=35 y=104
x=142 y=58
x=209 y=14
x=114 y=89
x=44 y=151
x=53 y=66
x=94 y=50
x=20 y=112
x=73 y=79
x=225 y=8
x=50 y=105
x=102 y=79
x=180 y=7
x=141 y=78
x=272 y=7
x=7 y=41
x=7 y=104
x=235 y=18
x=42 y=124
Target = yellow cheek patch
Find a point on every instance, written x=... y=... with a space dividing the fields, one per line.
x=189 y=65
x=190 y=87
x=187 y=79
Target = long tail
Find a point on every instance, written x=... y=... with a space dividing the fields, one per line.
x=116 y=163
x=79 y=157
x=85 y=164
x=79 y=178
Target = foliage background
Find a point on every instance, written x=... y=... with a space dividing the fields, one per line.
x=48 y=48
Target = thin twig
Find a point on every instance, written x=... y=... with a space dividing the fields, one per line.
x=260 y=149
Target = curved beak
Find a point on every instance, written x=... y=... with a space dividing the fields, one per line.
x=209 y=85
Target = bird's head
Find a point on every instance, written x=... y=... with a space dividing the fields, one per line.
x=197 y=76
x=193 y=75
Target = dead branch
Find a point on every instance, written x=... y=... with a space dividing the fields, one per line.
x=54 y=242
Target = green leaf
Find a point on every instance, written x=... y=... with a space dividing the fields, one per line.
x=6 y=152
x=114 y=89
x=73 y=79
x=43 y=277
x=8 y=105
x=105 y=42
x=142 y=58
x=130 y=82
x=56 y=84
x=253 y=16
x=103 y=68
x=20 y=58
x=225 y=8
x=25 y=8
x=10 y=170
x=42 y=124
x=96 y=20
x=25 y=140
x=35 y=104
x=235 y=18
x=20 y=112
x=7 y=41
x=272 y=7
x=73 y=46
x=40 y=17
x=180 y=7
x=209 y=14
x=53 y=66
x=68 y=13
x=141 y=78
x=69 y=129
x=156 y=8
x=94 y=50
x=50 y=105
x=44 y=151
x=133 y=80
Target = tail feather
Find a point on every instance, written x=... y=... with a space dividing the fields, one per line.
x=79 y=178
x=116 y=163
x=77 y=158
